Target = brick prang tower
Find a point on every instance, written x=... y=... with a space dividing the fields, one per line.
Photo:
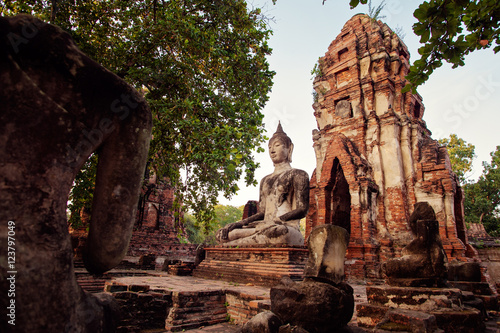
x=375 y=157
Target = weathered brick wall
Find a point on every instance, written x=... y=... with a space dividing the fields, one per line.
x=372 y=137
x=242 y=307
x=155 y=210
x=488 y=250
x=156 y=230
x=159 y=244
x=251 y=208
x=142 y=310
x=174 y=311
x=490 y=256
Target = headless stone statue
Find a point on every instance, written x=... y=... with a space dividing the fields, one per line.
x=284 y=200
x=423 y=261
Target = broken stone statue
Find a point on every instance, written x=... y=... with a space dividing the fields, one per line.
x=57 y=107
x=423 y=261
x=322 y=302
x=284 y=200
x=327 y=247
x=263 y=322
x=417 y=297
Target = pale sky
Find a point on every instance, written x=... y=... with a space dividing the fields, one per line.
x=461 y=100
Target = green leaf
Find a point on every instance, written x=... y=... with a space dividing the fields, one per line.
x=419 y=14
x=354 y=3
x=425 y=36
x=406 y=88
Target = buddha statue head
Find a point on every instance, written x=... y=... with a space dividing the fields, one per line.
x=280 y=147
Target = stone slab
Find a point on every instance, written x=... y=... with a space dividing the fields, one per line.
x=465 y=321
x=478 y=288
x=369 y=315
x=407 y=320
x=418 y=282
x=423 y=299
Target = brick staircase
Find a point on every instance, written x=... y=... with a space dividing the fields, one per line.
x=95 y=284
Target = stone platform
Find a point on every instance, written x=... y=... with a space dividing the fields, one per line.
x=166 y=303
x=146 y=297
x=418 y=310
x=257 y=265
x=159 y=302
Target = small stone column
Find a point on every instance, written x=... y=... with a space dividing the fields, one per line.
x=327 y=247
x=322 y=302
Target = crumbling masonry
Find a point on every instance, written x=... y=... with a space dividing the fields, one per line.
x=375 y=156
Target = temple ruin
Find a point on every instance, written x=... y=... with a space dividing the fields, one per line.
x=375 y=156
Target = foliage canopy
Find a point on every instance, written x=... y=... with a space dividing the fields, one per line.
x=205 y=233
x=482 y=199
x=449 y=30
x=461 y=155
x=203 y=70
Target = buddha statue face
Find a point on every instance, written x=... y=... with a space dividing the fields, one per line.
x=280 y=147
x=279 y=151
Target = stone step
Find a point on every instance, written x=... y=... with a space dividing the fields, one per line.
x=194 y=313
x=251 y=268
x=385 y=319
x=478 y=288
x=490 y=302
x=90 y=284
x=225 y=273
x=369 y=315
x=78 y=264
x=184 y=325
x=410 y=298
x=251 y=263
x=215 y=271
x=481 y=290
x=468 y=320
x=195 y=309
x=256 y=277
x=198 y=307
x=408 y=321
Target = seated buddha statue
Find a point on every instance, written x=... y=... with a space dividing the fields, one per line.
x=283 y=201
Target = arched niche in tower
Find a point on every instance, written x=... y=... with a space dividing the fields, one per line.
x=339 y=201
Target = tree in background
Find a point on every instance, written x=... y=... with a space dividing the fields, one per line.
x=449 y=30
x=461 y=156
x=227 y=214
x=194 y=234
x=203 y=70
x=80 y=198
x=482 y=199
x=205 y=233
